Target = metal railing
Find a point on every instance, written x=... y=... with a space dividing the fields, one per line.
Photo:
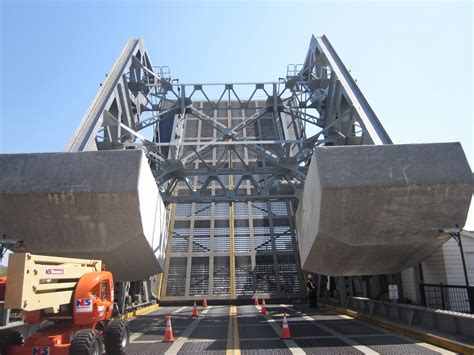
x=448 y=297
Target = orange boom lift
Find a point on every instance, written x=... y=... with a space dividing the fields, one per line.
x=72 y=299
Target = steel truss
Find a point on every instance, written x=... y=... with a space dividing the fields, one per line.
x=317 y=105
x=231 y=160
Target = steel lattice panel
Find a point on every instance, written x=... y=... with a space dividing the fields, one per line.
x=288 y=271
x=265 y=271
x=176 y=275
x=199 y=278
x=221 y=275
x=243 y=275
x=261 y=233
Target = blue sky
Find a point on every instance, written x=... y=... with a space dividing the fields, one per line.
x=412 y=60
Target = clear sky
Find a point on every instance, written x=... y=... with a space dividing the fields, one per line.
x=412 y=60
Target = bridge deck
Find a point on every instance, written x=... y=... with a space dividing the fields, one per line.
x=244 y=330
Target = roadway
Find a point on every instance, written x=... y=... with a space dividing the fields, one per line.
x=244 y=330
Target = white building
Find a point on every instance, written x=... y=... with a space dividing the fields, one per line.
x=443 y=266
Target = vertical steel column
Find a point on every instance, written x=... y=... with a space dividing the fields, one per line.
x=231 y=216
x=189 y=256
x=164 y=275
x=274 y=249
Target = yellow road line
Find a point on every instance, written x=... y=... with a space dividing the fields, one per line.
x=139 y=311
x=233 y=341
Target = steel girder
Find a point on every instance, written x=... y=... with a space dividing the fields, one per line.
x=322 y=95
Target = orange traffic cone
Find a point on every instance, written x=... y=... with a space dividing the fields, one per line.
x=264 y=307
x=285 y=331
x=256 y=301
x=204 y=303
x=195 y=310
x=169 y=337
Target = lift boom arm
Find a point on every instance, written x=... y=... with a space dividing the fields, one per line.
x=44 y=282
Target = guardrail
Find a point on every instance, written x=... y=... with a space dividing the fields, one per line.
x=448 y=297
x=457 y=323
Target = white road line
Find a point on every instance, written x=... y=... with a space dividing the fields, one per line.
x=134 y=336
x=179 y=342
x=391 y=333
x=291 y=344
x=343 y=337
x=179 y=310
x=147 y=341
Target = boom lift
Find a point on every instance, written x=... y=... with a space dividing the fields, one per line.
x=70 y=300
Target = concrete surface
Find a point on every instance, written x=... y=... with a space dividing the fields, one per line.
x=101 y=205
x=371 y=210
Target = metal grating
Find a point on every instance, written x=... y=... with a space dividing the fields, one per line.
x=176 y=274
x=265 y=273
x=202 y=210
x=180 y=243
x=183 y=210
x=288 y=272
x=262 y=233
x=241 y=209
x=201 y=244
x=199 y=280
x=221 y=243
x=279 y=208
x=221 y=276
x=221 y=210
x=242 y=242
x=259 y=209
x=263 y=242
x=284 y=242
x=192 y=128
x=243 y=275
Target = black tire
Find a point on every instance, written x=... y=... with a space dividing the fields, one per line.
x=9 y=337
x=86 y=342
x=117 y=337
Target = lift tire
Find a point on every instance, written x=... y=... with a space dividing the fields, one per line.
x=9 y=337
x=86 y=342
x=117 y=337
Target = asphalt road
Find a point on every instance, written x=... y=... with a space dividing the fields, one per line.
x=244 y=330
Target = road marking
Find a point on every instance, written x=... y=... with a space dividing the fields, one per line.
x=391 y=333
x=343 y=337
x=432 y=347
x=290 y=343
x=179 y=342
x=135 y=335
x=179 y=310
x=233 y=341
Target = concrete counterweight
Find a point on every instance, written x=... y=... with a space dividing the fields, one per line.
x=99 y=205
x=370 y=210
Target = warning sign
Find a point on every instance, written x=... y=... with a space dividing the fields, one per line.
x=393 y=292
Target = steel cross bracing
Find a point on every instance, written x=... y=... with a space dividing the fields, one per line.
x=317 y=105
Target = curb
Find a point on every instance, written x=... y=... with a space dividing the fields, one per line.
x=412 y=333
